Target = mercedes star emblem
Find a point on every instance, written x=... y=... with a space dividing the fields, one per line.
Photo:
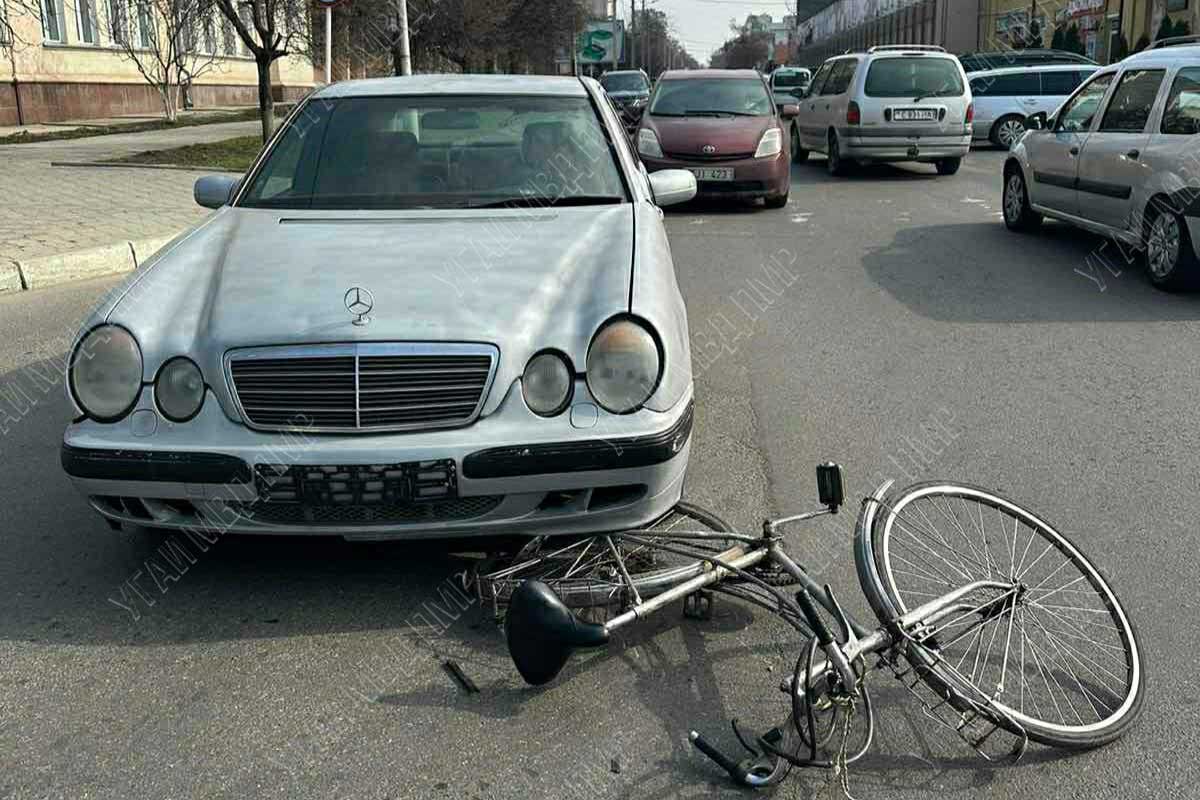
x=708 y=148
x=359 y=302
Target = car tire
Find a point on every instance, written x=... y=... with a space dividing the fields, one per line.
x=1007 y=132
x=1018 y=213
x=1170 y=257
x=948 y=166
x=776 y=200
x=799 y=154
x=838 y=166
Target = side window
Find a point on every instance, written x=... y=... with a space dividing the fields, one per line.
x=1077 y=115
x=840 y=78
x=818 y=81
x=1182 y=116
x=981 y=87
x=1019 y=84
x=833 y=78
x=1129 y=109
x=1060 y=83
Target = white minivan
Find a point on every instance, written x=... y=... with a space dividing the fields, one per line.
x=1005 y=97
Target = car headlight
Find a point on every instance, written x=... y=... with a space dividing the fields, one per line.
x=623 y=366
x=648 y=144
x=179 y=389
x=106 y=373
x=771 y=143
x=547 y=384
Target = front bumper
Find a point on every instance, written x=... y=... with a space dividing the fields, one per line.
x=752 y=177
x=512 y=472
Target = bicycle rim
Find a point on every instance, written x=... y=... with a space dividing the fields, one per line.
x=1056 y=654
x=585 y=573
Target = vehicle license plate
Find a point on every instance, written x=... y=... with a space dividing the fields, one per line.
x=915 y=115
x=713 y=173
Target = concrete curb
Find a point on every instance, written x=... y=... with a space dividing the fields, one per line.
x=125 y=165
x=95 y=262
x=10 y=277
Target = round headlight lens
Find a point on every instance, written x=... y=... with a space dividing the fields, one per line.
x=546 y=384
x=106 y=373
x=179 y=389
x=623 y=366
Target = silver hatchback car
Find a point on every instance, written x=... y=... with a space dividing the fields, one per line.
x=891 y=103
x=1121 y=158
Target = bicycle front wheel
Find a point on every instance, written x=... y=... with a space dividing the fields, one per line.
x=1055 y=652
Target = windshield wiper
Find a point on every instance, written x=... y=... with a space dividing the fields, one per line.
x=547 y=201
x=699 y=112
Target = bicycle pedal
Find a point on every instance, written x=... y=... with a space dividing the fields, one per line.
x=698 y=605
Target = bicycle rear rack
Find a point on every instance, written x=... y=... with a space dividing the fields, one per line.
x=975 y=726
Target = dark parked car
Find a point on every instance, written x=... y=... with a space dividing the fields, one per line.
x=977 y=62
x=722 y=126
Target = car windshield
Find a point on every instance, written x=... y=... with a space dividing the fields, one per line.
x=915 y=77
x=628 y=82
x=439 y=152
x=709 y=97
x=784 y=80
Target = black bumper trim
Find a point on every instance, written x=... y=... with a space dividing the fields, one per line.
x=153 y=466
x=559 y=457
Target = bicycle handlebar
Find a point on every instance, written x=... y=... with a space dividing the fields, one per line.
x=735 y=770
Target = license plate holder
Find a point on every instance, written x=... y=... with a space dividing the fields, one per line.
x=712 y=173
x=915 y=115
x=404 y=484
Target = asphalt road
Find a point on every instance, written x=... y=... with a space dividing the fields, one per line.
x=285 y=668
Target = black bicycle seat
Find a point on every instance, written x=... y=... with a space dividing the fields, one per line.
x=542 y=632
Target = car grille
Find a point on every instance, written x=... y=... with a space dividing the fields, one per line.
x=383 y=514
x=361 y=387
x=713 y=158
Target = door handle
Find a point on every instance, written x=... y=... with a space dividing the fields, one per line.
x=1074 y=151
x=1134 y=155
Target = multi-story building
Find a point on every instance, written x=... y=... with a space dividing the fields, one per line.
x=1101 y=24
x=63 y=63
x=858 y=24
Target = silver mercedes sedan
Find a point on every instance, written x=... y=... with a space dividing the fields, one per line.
x=434 y=306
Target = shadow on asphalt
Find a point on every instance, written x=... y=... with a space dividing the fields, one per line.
x=1060 y=274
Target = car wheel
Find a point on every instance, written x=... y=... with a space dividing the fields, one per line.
x=948 y=166
x=776 y=201
x=837 y=165
x=1007 y=132
x=1170 y=259
x=1018 y=214
x=799 y=154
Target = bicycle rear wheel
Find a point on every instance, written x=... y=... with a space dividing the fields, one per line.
x=609 y=571
x=1054 y=656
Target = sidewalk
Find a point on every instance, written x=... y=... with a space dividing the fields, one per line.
x=110 y=122
x=68 y=223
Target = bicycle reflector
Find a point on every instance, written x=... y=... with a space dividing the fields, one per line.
x=829 y=486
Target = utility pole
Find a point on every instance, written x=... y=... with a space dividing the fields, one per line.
x=632 y=33
x=405 y=55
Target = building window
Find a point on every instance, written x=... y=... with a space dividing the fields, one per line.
x=52 y=27
x=118 y=22
x=146 y=32
x=85 y=21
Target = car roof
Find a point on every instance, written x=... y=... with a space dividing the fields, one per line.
x=1165 y=56
x=622 y=72
x=686 y=74
x=1032 y=68
x=458 y=84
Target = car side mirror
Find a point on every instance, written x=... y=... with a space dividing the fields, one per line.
x=672 y=186
x=214 y=191
x=790 y=111
x=1037 y=122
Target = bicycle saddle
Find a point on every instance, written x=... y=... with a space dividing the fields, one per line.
x=542 y=632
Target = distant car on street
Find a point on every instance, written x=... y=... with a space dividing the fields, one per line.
x=1120 y=158
x=1000 y=59
x=891 y=103
x=1004 y=98
x=788 y=84
x=723 y=127
x=434 y=306
x=626 y=87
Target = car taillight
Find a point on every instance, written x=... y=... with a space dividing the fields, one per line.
x=970 y=112
x=853 y=114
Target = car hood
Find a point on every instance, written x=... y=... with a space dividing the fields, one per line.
x=523 y=280
x=729 y=135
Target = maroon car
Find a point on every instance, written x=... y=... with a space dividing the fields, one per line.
x=722 y=126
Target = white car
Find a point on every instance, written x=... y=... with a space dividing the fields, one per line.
x=1005 y=97
x=891 y=103
x=1121 y=158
